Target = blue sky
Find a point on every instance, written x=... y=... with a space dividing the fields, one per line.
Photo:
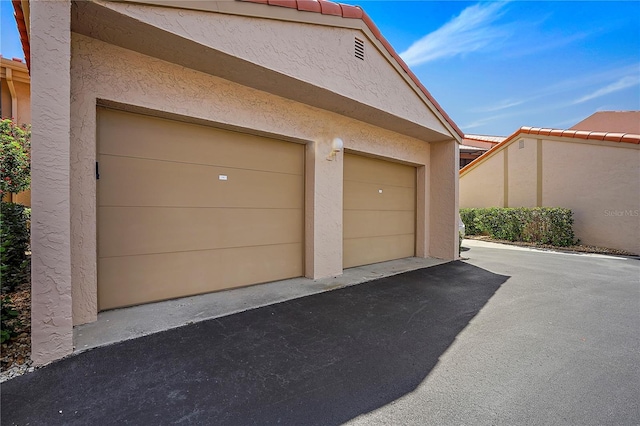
x=496 y=66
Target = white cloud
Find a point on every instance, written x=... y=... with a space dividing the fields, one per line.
x=507 y=103
x=625 y=76
x=621 y=84
x=474 y=29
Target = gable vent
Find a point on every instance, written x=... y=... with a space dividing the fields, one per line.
x=359 y=49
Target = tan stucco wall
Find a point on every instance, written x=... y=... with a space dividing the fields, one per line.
x=318 y=54
x=107 y=72
x=443 y=200
x=484 y=186
x=23 y=92
x=600 y=182
x=5 y=99
x=72 y=74
x=51 y=322
x=522 y=173
x=20 y=80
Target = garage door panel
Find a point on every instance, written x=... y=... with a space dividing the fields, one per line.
x=132 y=280
x=379 y=210
x=186 y=209
x=181 y=184
x=367 y=196
x=125 y=231
x=162 y=139
x=364 y=251
x=363 y=223
x=372 y=170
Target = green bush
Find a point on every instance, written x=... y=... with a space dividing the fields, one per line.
x=14 y=243
x=8 y=320
x=540 y=225
x=468 y=217
x=15 y=157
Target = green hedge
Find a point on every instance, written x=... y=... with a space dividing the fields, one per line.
x=540 y=225
x=14 y=243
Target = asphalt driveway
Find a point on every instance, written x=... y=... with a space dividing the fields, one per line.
x=507 y=337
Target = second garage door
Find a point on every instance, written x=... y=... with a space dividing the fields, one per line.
x=379 y=210
x=186 y=209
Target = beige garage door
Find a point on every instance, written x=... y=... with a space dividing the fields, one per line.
x=379 y=210
x=186 y=209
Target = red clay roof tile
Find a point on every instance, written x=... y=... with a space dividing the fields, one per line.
x=597 y=135
x=291 y=4
x=309 y=6
x=580 y=134
x=330 y=8
x=630 y=138
x=613 y=137
x=352 y=12
x=22 y=29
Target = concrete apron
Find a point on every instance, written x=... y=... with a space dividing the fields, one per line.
x=129 y=323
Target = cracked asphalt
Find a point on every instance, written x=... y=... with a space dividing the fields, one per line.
x=510 y=336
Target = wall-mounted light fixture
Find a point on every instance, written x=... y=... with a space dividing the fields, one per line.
x=336 y=147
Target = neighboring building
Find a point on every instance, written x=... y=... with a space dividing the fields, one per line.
x=595 y=174
x=15 y=103
x=473 y=146
x=611 y=121
x=187 y=147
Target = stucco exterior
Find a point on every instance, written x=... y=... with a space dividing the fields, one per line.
x=16 y=104
x=106 y=70
x=598 y=180
x=485 y=187
x=16 y=90
x=51 y=259
x=522 y=173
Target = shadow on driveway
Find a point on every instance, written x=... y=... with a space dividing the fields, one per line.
x=321 y=359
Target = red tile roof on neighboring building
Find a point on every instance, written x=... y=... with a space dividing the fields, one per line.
x=611 y=121
x=484 y=138
x=576 y=134
x=22 y=29
x=327 y=7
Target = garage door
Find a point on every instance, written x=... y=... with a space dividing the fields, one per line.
x=186 y=209
x=379 y=210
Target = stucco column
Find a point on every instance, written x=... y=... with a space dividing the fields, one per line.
x=443 y=200
x=323 y=206
x=422 y=212
x=51 y=324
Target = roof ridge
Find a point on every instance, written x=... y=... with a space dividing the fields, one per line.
x=327 y=7
x=576 y=134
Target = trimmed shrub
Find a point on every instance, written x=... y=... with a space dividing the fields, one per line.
x=540 y=225
x=15 y=157
x=14 y=243
x=468 y=217
x=8 y=320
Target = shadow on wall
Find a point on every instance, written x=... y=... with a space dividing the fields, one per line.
x=322 y=359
